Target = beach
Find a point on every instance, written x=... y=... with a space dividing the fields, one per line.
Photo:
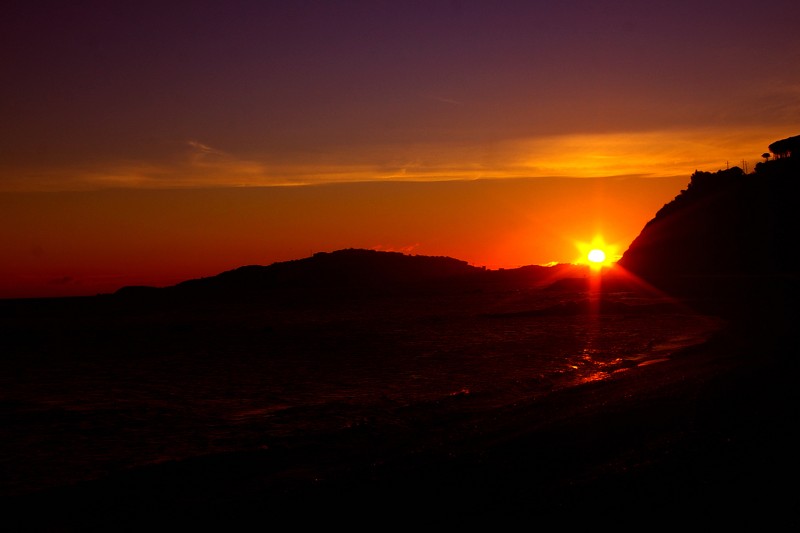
x=703 y=434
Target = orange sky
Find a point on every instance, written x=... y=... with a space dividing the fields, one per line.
x=88 y=242
x=148 y=143
x=81 y=236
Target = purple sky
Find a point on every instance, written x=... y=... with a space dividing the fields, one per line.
x=278 y=92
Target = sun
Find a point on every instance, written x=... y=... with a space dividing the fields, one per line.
x=597 y=253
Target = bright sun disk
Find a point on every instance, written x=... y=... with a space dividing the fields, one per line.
x=596 y=256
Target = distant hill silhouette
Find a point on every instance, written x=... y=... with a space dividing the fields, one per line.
x=349 y=268
x=358 y=271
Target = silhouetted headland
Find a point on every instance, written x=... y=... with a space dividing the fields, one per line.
x=728 y=240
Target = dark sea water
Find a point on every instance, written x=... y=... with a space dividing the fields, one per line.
x=88 y=391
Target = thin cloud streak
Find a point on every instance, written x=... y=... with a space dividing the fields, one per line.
x=654 y=153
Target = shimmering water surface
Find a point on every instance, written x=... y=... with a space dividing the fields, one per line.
x=98 y=392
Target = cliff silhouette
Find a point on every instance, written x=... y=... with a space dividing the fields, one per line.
x=727 y=234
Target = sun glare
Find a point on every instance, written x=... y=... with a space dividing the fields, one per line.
x=597 y=253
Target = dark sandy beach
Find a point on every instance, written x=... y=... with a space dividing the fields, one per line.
x=704 y=438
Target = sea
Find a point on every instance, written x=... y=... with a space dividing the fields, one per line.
x=91 y=387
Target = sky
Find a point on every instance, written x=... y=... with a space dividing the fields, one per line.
x=152 y=142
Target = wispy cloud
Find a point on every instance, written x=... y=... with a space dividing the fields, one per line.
x=406 y=249
x=656 y=153
x=196 y=164
x=203 y=148
x=444 y=100
x=644 y=153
